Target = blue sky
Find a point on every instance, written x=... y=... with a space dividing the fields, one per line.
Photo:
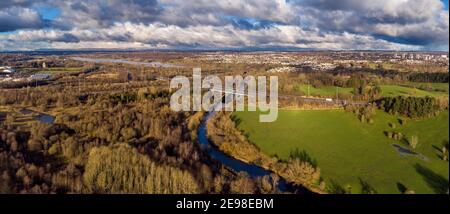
x=446 y=4
x=48 y=13
x=148 y=24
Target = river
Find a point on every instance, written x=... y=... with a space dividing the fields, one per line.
x=252 y=170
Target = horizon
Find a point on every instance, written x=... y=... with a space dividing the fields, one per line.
x=237 y=50
x=280 y=25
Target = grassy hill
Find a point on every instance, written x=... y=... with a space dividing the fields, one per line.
x=350 y=152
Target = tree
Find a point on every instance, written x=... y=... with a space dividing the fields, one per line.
x=9 y=119
x=413 y=107
x=121 y=169
x=34 y=145
x=445 y=151
x=414 y=141
x=243 y=185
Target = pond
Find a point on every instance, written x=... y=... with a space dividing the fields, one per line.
x=41 y=117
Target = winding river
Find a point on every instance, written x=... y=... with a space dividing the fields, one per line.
x=252 y=170
x=236 y=165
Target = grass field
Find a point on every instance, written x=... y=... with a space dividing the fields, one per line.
x=386 y=90
x=348 y=151
x=395 y=90
x=329 y=91
x=444 y=87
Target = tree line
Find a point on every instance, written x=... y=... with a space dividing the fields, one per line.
x=413 y=107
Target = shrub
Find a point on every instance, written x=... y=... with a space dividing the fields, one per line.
x=392 y=125
x=397 y=136
x=389 y=135
x=414 y=141
x=445 y=151
x=410 y=192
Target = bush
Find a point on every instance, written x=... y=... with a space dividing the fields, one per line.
x=389 y=134
x=392 y=125
x=445 y=151
x=414 y=141
x=397 y=136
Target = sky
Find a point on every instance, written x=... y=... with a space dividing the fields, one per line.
x=224 y=24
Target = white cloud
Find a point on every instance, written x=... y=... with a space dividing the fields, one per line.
x=160 y=35
x=325 y=24
x=13 y=18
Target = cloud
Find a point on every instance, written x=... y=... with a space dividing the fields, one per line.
x=99 y=14
x=390 y=11
x=194 y=12
x=16 y=3
x=422 y=22
x=324 y=24
x=163 y=36
x=14 y=18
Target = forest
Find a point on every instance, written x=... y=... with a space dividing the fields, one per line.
x=413 y=107
x=124 y=142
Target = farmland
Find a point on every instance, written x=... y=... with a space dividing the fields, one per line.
x=412 y=89
x=349 y=152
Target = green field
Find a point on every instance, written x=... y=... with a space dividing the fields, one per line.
x=443 y=87
x=395 y=90
x=329 y=91
x=386 y=90
x=347 y=150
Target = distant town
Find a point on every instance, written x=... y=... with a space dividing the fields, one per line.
x=282 y=62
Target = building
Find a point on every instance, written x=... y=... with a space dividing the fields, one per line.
x=6 y=69
x=39 y=77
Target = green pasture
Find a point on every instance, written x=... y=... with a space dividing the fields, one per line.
x=350 y=152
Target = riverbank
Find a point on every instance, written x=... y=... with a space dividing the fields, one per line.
x=222 y=133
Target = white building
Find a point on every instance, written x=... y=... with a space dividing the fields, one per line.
x=38 y=77
x=6 y=69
